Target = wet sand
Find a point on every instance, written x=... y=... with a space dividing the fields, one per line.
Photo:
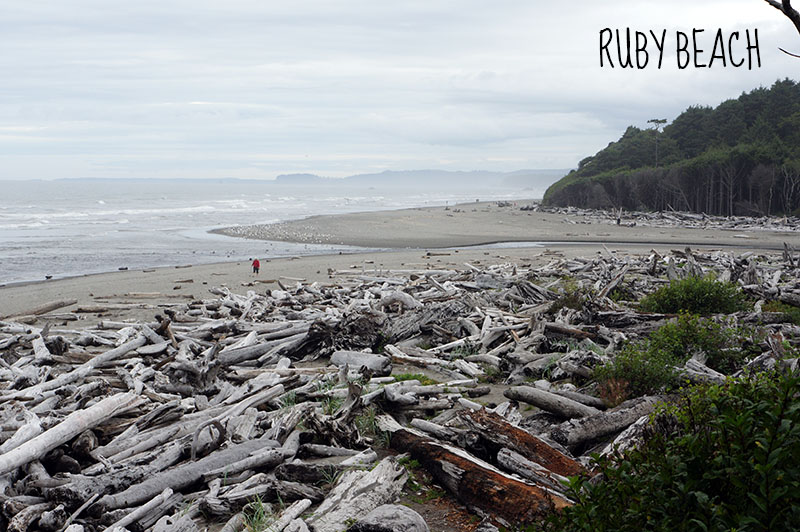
x=137 y=294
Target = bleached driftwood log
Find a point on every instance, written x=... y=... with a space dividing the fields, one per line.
x=357 y=493
x=143 y=510
x=44 y=309
x=576 y=433
x=557 y=404
x=73 y=425
x=179 y=477
x=379 y=364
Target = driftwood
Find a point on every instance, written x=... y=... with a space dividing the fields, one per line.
x=80 y=372
x=378 y=364
x=222 y=410
x=73 y=425
x=179 y=477
x=557 y=404
x=478 y=484
x=516 y=463
x=156 y=502
x=576 y=433
x=25 y=518
x=44 y=309
x=497 y=434
x=357 y=493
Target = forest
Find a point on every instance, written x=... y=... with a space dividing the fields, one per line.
x=739 y=158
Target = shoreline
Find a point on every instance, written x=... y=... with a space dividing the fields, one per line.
x=485 y=223
x=493 y=246
x=146 y=289
x=480 y=233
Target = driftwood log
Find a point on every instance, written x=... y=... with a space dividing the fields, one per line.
x=478 y=484
x=274 y=393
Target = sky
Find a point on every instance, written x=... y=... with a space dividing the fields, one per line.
x=258 y=88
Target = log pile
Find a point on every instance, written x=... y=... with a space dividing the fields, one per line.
x=670 y=219
x=301 y=397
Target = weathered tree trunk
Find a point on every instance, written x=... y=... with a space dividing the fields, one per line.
x=44 y=309
x=496 y=433
x=379 y=364
x=81 y=488
x=357 y=493
x=576 y=433
x=476 y=483
x=179 y=477
x=264 y=459
x=790 y=299
x=290 y=514
x=24 y=519
x=152 y=505
x=556 y=404
x=516 y=463
x=566 y=330
x=72 y=426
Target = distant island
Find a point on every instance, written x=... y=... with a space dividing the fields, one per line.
x=535 y=181
x=437 y=179
x=740 y=158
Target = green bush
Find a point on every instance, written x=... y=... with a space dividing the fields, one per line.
x=646 y=367
x=635 y=371
x=424 y=380
x=776 y=306
x=573 y=300
x=572 y=296
x=724 y=458
x=723 y=344
x=696 y=295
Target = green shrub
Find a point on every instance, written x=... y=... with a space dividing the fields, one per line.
x=776 y=306
x=724 y=458
x=573 y=300
x=258 y=515
x=572 y=296
x=424 y=380
x=722 y=343
x=622 y=293
x=696 y=295
x=367 y=425
x=646 y=367
x=635 y=371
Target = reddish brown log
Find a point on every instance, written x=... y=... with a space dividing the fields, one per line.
x=497 y=433
x=477 y=484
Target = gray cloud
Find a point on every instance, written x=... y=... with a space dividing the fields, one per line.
x=254 y=89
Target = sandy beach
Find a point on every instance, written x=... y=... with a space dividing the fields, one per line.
x=433 y=239
x=486 y=223
x=425 y=238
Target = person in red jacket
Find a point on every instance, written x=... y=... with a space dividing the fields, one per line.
x=256 y=266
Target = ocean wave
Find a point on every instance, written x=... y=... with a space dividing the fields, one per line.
x=84 y=231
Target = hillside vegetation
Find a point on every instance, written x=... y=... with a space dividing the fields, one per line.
x=742 y=157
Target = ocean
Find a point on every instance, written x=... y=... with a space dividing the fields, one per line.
x=65 y=228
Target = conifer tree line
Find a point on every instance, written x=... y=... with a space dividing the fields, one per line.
x=740 y=158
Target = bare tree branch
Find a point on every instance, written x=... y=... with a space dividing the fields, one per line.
x=786 y=8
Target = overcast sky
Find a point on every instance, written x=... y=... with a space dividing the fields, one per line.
x=256 y=88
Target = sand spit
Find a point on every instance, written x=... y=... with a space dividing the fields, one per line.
x=490 y=222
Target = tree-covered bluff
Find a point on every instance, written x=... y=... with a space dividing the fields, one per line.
x=740 y=158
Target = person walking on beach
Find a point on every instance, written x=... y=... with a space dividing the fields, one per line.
x=256 y=266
